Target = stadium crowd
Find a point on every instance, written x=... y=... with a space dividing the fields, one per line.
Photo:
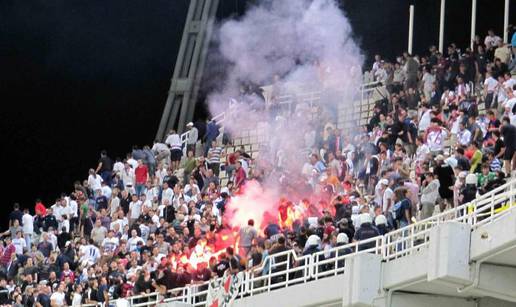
x=443 y=135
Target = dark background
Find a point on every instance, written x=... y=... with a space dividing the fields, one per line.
x=80 y=76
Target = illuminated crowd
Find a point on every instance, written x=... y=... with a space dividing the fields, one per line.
x=162 y=217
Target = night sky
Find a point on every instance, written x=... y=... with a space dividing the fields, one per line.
x=80 y=76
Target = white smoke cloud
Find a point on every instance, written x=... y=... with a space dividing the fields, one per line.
x=303 y=42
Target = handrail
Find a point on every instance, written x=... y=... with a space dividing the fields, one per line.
x=309 y=96
x=390 y=246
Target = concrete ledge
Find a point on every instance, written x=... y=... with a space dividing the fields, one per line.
x=448 y=254
x=406 y=269
x=494 y=236
x=326 y=291
x=362 y=277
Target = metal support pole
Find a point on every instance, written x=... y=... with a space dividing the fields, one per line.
x=441 y=26
x=506 y=22
x=473 y=21
x=411 y=29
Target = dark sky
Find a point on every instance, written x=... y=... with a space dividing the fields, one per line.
x=80 y=76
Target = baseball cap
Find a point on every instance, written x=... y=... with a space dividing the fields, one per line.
x=190 y=124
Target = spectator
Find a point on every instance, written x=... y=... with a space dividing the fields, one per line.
x=193 y=136
x=246 y=236
x=105 y=167
x=174 y=141
x=141 y=175
x=508 y=132
x=429 y=195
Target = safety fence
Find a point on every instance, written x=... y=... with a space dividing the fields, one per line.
x=286 y=269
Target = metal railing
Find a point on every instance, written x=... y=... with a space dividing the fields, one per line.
x=286 y=269
x=311 y=98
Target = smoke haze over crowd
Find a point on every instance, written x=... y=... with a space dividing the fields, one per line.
x=292 y=43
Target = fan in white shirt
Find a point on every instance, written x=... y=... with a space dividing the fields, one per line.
x=58 y=298
x=132 y=243
x=110 y=243
x=490 y=84
x=167 y=194
x=144 y=202
x=73 y=207
x=132 y=162
x=90 y=253
x=114 y=205
x=464 y=135
x=492 y=40
x=152 y=193
x=19 y=243
x=128 y=177
x=120 y=221
x=135 y=208
x=118 y=167
x=173 y=140
x=28 y=222
x=28 y=227
x=106 y=190
x=94 y=180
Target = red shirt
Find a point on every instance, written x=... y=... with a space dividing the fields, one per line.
x=9 y=250
x=40 y=209
x=240 y=177
x=141 y=174
x=232 y=159
x=68 y=273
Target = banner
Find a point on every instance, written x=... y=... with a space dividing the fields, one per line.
x=222 y=292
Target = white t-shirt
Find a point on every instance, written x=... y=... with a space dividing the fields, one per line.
x=91 y=253
x=28 y=223
x=106 y=191
x=424 y=122
x=464 y=137
x=133 y=163
x=73 y=208
x=388 y=194
x=121 y=222
x=491 y=84
x=58 y=297
x=132 y=243
x=94 y=182
x=136 y=209
x=128 y=177
x=510 y=104
x=144 y=230
x=118 y=167
x=19 y=244
x=168 y=194
x=147 y=204
x=174 y=141
x=152 y=194
x=115 y=204
x=110 y=244
x=492 y=41
x=509 y=83
x=66 y=210
x=77 y=299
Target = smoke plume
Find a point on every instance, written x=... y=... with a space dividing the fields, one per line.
x=297 y=46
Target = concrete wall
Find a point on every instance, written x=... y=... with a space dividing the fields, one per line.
x=325 y=292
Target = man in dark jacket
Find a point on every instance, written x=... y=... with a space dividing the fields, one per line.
x=444 y=173
x=366 y=231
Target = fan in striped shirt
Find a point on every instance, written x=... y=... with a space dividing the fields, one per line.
x=214 y=154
